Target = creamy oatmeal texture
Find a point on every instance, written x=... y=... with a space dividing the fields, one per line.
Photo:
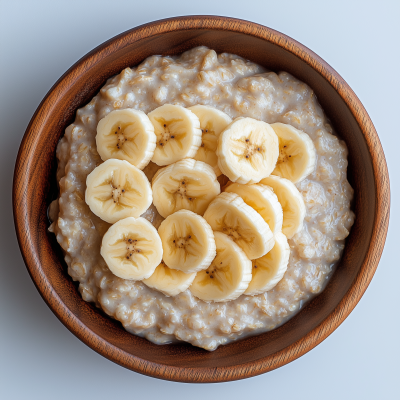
x=239 y=88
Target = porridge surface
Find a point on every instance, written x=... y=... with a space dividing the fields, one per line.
x=239 y=88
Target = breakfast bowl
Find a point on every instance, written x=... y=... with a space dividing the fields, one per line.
x=35 y=187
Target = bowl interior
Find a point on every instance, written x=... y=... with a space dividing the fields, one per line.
x=37 y=165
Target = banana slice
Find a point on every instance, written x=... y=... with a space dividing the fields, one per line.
x=297 y=154
x=212 y=123
x=178 y=133
x=247 y=150
x=228 y=275
x=229 y=214
x=117 y=189
x=126 y=135
x=132 y=248
x=187 y=184
x=269 y=269
x=263 y=200
x=292 y=204
x=169 y=281
x=188 y=241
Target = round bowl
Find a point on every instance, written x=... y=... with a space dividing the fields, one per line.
x=367 y=173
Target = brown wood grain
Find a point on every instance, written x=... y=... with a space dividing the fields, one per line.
x=34 y=172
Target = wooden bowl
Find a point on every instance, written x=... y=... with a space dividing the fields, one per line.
x=367 y=173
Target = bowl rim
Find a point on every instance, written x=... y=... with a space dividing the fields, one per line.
x=348 y=302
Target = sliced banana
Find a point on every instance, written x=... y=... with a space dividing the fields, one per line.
x=228 y=275
x=187 y=184
x=297 y=154
x=126 y=135
x=188 y=241
x=178 y=133
x=263 y=200
x=132 y=248
x=292 y=204
x=169 y=281
x=212 y=123
x=269 y=269
x=117 y=189
x=247 y=150
x=229 y=214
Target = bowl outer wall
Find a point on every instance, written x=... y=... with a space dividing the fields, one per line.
x=254 y=355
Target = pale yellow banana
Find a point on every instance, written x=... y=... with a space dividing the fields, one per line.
x=188 y=241
x=292 y=204
x=126 y=135
x=263 y=200
x=269 y=269
x=212 y=123
x=229 y=214
x=169 y=281
x=228 y=275
x=297 y=154
x=178 y=133
x=132 y=248
x=247 y=150
x=117 y=189
x=187 y=184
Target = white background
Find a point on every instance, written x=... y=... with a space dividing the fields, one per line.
x=39 y=357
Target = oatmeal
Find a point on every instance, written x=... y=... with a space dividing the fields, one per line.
x=240 y=89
